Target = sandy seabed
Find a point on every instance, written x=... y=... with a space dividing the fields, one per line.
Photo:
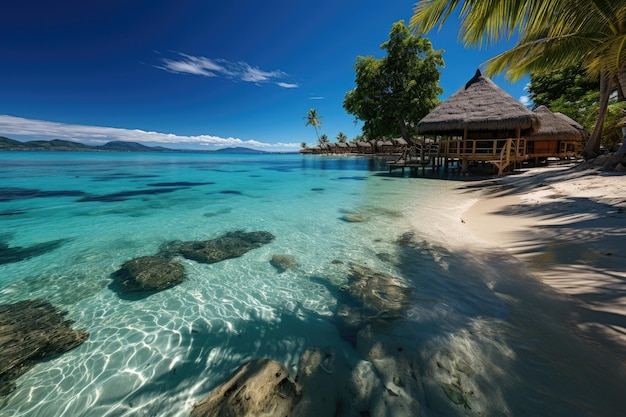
x=569 y=227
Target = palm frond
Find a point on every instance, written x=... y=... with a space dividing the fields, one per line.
x=488 y=21
x=609 y=56
x=541 y=55
x=427 y=13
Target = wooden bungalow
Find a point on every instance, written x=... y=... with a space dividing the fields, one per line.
x=365 y=147
x=400 y=145
x=352 y=147
x=307 y=151
x=558 y=136
x=385 y=147
x=480 y=122
x=342 y=148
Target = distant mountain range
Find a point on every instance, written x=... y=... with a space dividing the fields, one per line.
x=7 y=144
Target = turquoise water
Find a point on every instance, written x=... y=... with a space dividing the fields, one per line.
x=478 y=320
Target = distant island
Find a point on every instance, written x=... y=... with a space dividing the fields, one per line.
x=59 y=145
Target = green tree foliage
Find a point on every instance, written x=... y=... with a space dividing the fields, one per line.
x=568 y=91
x=612 y=135
x=398 y=89
x=303 y=145
x=313 y=119
x=341 y=137
x=551 y=35
x=323 y=139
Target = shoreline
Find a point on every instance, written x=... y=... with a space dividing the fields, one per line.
x=568 y=227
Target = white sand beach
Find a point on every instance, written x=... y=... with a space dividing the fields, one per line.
x=569 y=226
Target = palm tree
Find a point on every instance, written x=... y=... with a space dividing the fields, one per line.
x=341 y=137
x=322 y=139
x=551 y=34
x=313 y=119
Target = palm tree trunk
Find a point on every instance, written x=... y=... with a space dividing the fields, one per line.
x=621 y=79
x=592 y=148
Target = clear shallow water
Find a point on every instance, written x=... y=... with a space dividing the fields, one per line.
x=478 y=320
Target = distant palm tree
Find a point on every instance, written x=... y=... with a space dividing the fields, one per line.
x=303 y=145
x=313 y=119
x=341 y=137
x=323 y=139
x=552 y=34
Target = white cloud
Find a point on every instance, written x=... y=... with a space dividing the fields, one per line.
x=192 y=65
x=186 y=67
x=525 y=100
x=256 y=75
x=287 y=85
x=316 y=98
x=238 y=71
x=97 y=135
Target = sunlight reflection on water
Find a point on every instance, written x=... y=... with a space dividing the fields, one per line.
x=480 y=335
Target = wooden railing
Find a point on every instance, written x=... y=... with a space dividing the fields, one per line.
x=485 y=149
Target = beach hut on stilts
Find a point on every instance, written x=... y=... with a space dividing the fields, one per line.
x=480 y=124
x=558 y=136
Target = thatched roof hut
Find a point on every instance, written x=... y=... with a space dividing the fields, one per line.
x=480 y=105
x=557 y=126
x=582 y=129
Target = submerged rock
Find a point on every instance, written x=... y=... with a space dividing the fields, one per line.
x=324 y=386
x=370 y=298
x=229 y=245
x=385 y=257
x=353 y=218
x=31 y=331
x=406 y=239
x=324 y=382
x=283 y=262
x=148 y=274
x=261 y=387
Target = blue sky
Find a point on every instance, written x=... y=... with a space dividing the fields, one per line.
x=198 y=74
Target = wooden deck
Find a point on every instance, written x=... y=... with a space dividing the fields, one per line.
x=499 y=152
x=419 y=155
x=412 y=164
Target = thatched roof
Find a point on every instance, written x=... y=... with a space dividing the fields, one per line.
x=478 y=106
x=400 y=141
x=557 y=126
x=582 y=129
